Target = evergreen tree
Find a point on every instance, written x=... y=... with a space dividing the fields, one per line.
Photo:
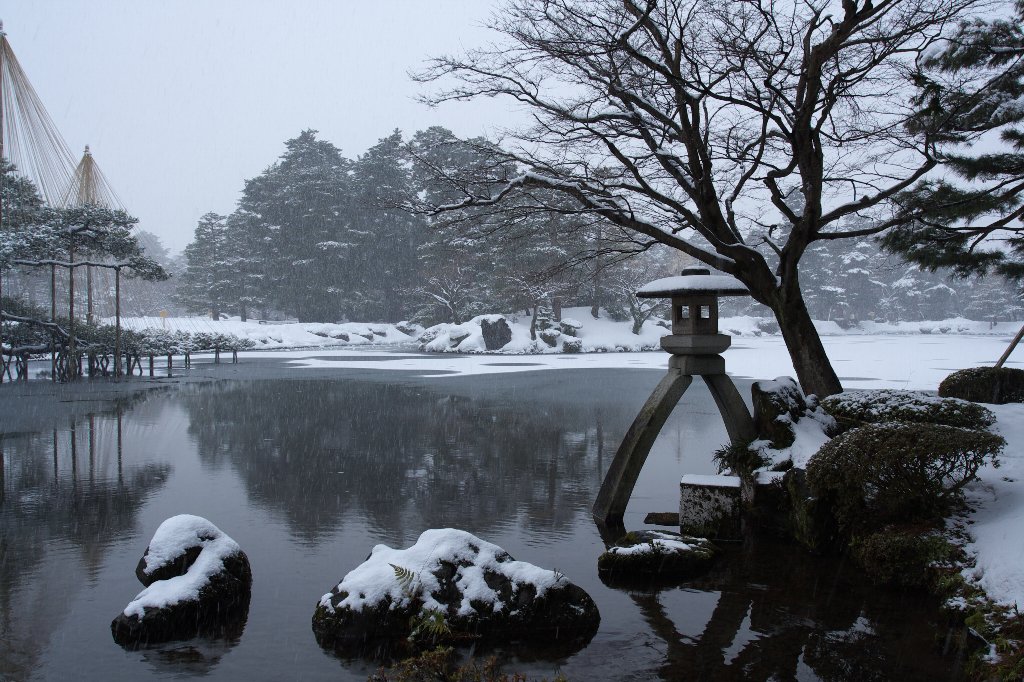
x=303 y=202
x=974 y=90
x=389 y=237
x=208 y=283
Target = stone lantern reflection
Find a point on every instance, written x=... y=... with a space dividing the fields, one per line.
x=695 y=345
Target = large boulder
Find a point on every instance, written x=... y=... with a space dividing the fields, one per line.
x=779 y=405
x=452 y=585
x=197 y=579
x=495 y=331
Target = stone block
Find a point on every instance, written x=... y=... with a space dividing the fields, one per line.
x=710 y=506
x=697 y=365
x=696 y=344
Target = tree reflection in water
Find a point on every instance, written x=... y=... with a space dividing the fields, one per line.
x=66 y=491
x=399 y=456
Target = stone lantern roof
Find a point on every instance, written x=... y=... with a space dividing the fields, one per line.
x=694 y=281
x=694 y=295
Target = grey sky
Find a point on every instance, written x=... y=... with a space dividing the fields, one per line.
x=182 y=100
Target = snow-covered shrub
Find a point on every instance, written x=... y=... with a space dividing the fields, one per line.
x=900 y=555
x=768 y=326
x=985 y=385
x=549 y=336
x=900 y=472
x=856 y=408
x=572 y=345
x=569 y=326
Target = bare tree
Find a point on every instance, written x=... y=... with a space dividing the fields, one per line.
x=697 y=123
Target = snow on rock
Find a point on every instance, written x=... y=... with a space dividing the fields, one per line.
x=995 y=523
x=195 y=576
x=476 y=586
x=642 y=555
x=787 y=421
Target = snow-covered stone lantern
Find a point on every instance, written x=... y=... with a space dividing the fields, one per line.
x=695 y=345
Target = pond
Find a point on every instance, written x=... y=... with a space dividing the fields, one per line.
x=309 y=474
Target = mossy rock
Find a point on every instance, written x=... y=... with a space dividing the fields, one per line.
x=651 y=555
x=985 y=385
x=881 y=474
x=857 y=408
x=901 y=556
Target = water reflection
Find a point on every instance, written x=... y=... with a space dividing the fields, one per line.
x=398 y=455
x=781 y=614
x=307 y=475
x=66 y=497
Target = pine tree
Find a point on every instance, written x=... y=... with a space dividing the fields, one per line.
x=208 y=283
x=389 y=269
x=303 y=203
x=975 y=90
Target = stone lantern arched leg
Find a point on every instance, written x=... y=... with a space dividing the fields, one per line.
x=622 y=475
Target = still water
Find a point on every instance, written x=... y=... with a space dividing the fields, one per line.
x=307 y=475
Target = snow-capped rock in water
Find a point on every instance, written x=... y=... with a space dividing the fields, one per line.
x=462 y=584
x=197 y=581
x=647 y=555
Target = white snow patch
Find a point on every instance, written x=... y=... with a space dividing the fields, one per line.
x=997 y=542
x=711 y=481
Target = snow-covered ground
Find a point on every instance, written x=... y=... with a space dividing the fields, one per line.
x=997 y=524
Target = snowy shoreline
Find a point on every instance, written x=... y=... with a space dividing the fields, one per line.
x=596 y=335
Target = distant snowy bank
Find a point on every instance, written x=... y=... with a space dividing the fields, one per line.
x=577 y=332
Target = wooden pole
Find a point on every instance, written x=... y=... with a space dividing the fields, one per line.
x=117 y=322
x=1013 y=344
x=89 y=312
x=3 y=51
x=73 y=367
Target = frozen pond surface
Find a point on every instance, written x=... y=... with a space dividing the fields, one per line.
x=307 y=470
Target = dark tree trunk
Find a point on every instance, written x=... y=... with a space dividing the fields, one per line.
x=215 y=313
x=243 y=313
x=813 y=369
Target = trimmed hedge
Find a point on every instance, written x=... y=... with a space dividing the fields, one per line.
x=985 y=385
x=900 y=555
x=856 y=408
x=901 y=472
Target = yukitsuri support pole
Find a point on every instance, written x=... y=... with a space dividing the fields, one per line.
x=1013 y=344
x=72 y=360
x=117 y=322
x=53 y=319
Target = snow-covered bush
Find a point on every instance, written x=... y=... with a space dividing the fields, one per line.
x=985 y=385
x=898 y=473
x=856 y=408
